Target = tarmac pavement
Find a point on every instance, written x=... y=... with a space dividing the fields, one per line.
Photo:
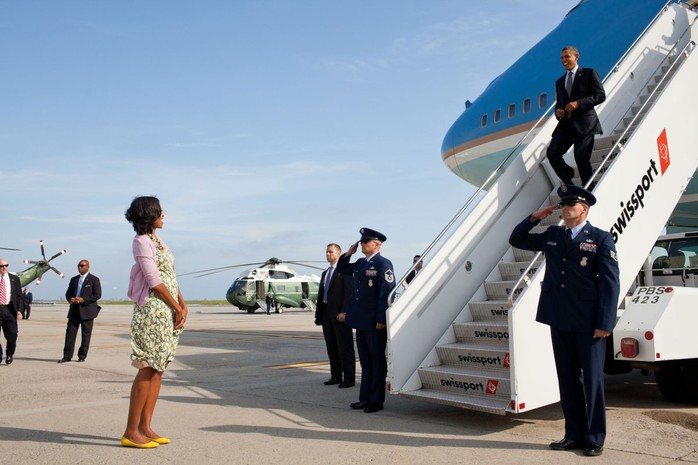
x=248 y=389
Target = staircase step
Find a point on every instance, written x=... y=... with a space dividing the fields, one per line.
x=494 y=359
x=482 y=332
x=488 y=405
x=513 y=270
x=521 y=255
x=490 y=310
x=500 y=290
x=466 y=382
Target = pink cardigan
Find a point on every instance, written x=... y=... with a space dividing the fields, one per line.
x=145 y=273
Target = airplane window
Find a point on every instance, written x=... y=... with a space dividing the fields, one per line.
x=483 y=120
x=543 y=100
x=497 y=115
x=511 y=110
x=526 y=106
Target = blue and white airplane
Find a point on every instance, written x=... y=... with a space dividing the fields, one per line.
x=510 y=106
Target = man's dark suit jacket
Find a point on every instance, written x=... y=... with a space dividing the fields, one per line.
x=337 y=297
x=588 y=91
x=16 y=301
x=91 y=293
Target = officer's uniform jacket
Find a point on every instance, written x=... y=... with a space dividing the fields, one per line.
x=581 y=284
x=373 y=281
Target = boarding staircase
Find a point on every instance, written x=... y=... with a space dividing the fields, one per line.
x=464 y=332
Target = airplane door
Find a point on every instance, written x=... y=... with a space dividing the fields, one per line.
x=261 y=294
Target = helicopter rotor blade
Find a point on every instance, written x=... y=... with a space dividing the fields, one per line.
x=31 y=262
x=8 y=248
x=58 y=254
x=57 y=272
x=41 y=244
x=38 y=279
x=221 y=268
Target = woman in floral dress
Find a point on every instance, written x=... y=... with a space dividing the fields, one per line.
x=159 y=314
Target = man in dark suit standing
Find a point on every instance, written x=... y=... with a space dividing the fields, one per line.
x=83 y=293
x=577 y=93
x=374 y=279
x=27 y=307
x=11 y=304
x=579 y=301
x=333 y=294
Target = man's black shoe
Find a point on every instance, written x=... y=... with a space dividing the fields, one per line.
x=63 y=360
x=593 y=450
x=331 y=381
x=567 y=444
x=358 y=405
x=346 y=384
x=81 y=360
x=373 y=407
x=8 y=360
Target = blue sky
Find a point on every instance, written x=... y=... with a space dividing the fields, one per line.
x=266 y=127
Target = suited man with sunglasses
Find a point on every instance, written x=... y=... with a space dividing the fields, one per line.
x=83 y=293
x=579 y=301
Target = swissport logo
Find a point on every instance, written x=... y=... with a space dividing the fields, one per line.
x=663 y=148
x=636 y=201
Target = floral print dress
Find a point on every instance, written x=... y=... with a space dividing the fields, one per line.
x=153 y=337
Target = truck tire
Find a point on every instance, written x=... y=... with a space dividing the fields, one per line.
x=677 y=380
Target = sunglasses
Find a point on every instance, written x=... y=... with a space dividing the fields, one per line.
x=4 y=266
x=81 y=266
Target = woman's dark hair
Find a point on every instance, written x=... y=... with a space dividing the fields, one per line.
x=143 y=213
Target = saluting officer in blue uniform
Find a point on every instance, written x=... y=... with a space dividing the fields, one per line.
x=579 y=301
x=373 y=280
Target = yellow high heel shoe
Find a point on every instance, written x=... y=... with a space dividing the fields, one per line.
x=148 y=445
x=160 y=440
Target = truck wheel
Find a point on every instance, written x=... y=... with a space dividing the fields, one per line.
x=677 y=380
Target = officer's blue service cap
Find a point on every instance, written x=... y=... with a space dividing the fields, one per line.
x=572 y=193
x=368 y=234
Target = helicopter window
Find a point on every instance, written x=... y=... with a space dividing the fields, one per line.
x=278 y=274
x=497 y=115
x=543 y=100
x=526 y=105
x=511 y=110
x=483 y=120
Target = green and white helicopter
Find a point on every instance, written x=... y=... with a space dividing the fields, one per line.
x=38 y=268
x=271 y=283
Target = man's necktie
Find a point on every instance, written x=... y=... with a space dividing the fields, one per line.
x=3 y=291
x=80 y=283
x=568 y=83
x=328 y=277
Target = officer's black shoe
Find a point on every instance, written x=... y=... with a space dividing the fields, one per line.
x=332 y=381
x=593 y=450
x=567 y=444
x=63 y=360
x=346 y=384
x=8 y=360
x=373 y=407
x=81 y=360
x=358 y=405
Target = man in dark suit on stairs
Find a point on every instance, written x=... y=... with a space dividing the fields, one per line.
x=333 y=294
x=83 y=293
x=577 y=93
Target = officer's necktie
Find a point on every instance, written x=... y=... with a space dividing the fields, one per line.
x=3 y=291
x=568 y=84
x=328 y=277
x=568 y=234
